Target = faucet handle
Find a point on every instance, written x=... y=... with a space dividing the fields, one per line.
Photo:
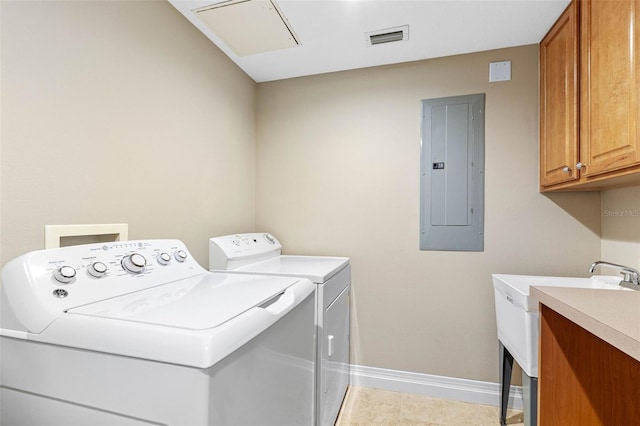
x=630 y=277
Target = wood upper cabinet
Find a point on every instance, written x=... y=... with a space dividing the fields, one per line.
x=610 y=85
x=590 y=97
x=559 y=100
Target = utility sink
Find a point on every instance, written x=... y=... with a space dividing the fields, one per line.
x=518 y=316
x=517 y=312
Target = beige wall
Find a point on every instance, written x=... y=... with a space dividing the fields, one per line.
x=338 y=173
x=621 y=226
x=121 y=111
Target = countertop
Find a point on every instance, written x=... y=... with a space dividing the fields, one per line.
x=611 y=315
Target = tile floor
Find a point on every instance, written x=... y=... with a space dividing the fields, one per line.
x=375 y=407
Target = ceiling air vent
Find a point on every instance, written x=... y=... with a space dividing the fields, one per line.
x=387 y=36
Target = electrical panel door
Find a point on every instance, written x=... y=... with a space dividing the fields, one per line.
x=452 y=174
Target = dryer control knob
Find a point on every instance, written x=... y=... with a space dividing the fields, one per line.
x=134 y=263
x=181 y=256
x=97 y=269
x=164 y=258
x=64 y=274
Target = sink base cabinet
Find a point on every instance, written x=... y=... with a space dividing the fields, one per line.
x=583 y=380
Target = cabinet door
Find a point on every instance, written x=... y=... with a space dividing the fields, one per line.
x=559 y=100
x=610 y=77
x=582 y=379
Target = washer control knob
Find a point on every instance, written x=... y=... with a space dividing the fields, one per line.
x=181 y=256
x=64 y=274
x=134 y=263
x=270 y=238
x=60 y=293
x=97 y=269
x=164 y=258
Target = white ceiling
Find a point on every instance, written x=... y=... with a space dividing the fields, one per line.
x=332 y=32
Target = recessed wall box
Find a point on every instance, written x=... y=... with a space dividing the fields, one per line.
x=68 y=235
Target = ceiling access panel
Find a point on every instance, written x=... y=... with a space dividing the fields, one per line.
x=249 y=27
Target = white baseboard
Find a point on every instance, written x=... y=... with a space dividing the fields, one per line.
x=474 y=391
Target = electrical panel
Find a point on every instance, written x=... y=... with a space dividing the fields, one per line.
x=452 y=174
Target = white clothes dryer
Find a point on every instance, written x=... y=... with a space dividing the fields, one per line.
x=137 y=333
x=261 y=253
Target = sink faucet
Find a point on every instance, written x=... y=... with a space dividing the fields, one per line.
x=630 y=276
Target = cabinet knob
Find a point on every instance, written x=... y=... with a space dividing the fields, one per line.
x=566 y=169
x=580 y=166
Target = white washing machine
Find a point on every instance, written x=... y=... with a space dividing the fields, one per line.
x=260 y=253
x=137 y=333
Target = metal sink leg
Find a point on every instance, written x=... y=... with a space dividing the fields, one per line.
x=530 y=396
x=506 y=366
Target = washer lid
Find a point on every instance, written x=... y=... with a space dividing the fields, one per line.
x=316 y=268
x=197 y=303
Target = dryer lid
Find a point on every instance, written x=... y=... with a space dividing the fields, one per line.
x=197 y=303
x=318 y=269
